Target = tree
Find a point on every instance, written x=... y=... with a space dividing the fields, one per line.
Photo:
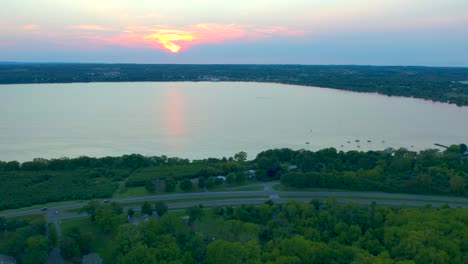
x=231 y=178
x=241 y=156
x=194 y=213
x=240 y=177
x=161 y=208
x=106 y=218
x=146 y=208
x=221 y=251
x=149 y=186
x=170 y=185
x=186 y=185
x=463 y=148
x=35 y=250
x=210 y=182
x=91 y=208
x=201 y=182
x=139 y=254
x=130 y=212
x=457 y=184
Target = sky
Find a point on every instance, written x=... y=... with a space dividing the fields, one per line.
x=364 y=32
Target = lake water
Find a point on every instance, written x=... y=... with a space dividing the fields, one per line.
x=199 y=120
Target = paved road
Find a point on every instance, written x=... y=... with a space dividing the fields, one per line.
x=229 y=198
x=54 y=216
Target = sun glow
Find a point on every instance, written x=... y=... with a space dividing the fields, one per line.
x=168 y=38
x=176 y=40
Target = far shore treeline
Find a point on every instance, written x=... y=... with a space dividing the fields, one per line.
x=392 y=170
x=431 y=83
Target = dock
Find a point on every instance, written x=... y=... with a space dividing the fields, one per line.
x=440 y=145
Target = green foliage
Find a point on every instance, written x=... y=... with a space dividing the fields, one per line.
x=240 y=177
x=186 y=185
x=241 y=156
x=146 y=208
x=161 y=208
x=221 y=251
x=19 y=189
x=316 y=232
x=141 y=176
x=74 y=244
x=428 y=172
x=36 y=250
x=53 y=235
x=130 y=212
x=25 y=235
x=107 y=218
x=149 y=186
x=195 y=213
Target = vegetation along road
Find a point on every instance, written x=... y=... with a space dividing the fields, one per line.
x=54 y=214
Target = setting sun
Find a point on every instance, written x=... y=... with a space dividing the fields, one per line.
x=167 y=39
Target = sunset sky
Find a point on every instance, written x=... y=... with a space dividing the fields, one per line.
x=378 y=32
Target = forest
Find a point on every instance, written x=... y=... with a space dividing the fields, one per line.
x=322 y=231
x=431 y=83
x=425 y=172
x=26 y=238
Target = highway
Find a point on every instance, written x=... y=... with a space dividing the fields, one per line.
x=54 y=215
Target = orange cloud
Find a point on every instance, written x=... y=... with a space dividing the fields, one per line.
x=31 y=27
x=175 y=40
x=90 y=27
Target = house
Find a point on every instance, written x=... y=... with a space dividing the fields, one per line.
x=92 y=258
x=4 y=259
x=136 y=220
x=251 y=174
x=221 y=177
x=194 y=181
x=465 y=154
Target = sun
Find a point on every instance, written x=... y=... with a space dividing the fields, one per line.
x=168 y=38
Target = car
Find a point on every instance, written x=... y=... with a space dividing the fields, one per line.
x=106 y=201
x=44 y=209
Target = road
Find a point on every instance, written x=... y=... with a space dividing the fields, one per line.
x=54 y=216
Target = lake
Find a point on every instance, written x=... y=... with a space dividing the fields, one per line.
x=213 y=119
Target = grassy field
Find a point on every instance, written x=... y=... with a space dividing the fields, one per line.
x=246 y=188
x=124 y=192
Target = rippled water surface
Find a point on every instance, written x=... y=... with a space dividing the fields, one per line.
x=198 y=120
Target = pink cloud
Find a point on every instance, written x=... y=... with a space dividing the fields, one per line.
x=175 y=39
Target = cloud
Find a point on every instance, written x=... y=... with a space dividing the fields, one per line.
x=177 y=39
x=31 y=27
x=90 y=27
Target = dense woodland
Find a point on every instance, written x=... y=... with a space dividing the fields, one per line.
x=315 y=232
x=83 y=178
x=437 y=84
x=26 y=239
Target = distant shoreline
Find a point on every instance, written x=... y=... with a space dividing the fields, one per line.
x=430 y=83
